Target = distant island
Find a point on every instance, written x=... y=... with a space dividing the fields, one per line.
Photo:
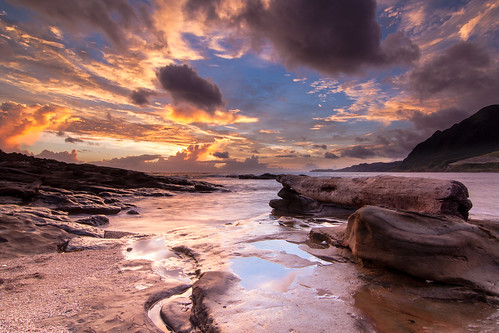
x=469 y=146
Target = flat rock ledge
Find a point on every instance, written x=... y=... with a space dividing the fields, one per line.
x=320 y=196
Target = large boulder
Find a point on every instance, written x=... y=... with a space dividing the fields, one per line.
x=423 y=195
x=440 y=248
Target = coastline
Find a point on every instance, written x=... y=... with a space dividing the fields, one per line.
x=107 y=280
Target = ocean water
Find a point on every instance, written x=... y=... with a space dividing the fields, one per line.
x=249 y=198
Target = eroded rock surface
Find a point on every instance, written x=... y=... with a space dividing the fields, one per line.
x=207 y=293
x=423 y=195
x=439 y=248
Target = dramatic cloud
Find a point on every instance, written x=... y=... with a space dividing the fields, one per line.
x=185 y=85
x=220 y=154
x=73 y=140
x=329 y=36
x=398 y=48
x=320 y=147
x=189 y=115
x=357 y=152
x=464 y=69
x=190 y=159
x=141 y=96
x=330 y=155
x=111 y=17
x=20 y=123
x=64 y=156
x=438 y=120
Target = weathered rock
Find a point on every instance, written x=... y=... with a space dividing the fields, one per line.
x=75 y=203
x=28 y=230
x=95 y=220
x=293 y=203
x=210 y=287
x=39 y=216
x=19 y=168
x=423 y=195
x=440 y=248
x=176 y=314
x=133 y=212
x=87 y=243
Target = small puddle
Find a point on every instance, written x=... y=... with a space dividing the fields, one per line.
x=166 y=263
x=258 y=273
x=280 y=245
x=153 y=249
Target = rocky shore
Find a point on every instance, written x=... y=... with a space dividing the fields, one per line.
x=60 y=272
x=408 y=260
x=415 y=225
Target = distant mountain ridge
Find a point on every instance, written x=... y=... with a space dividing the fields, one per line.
x=474 y=136
x=454 y=149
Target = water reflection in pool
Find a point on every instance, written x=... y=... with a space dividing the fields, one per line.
x=258 y=273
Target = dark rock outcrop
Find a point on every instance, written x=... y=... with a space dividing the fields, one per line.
x=439 y=248
x=292 y=203
x=423 y=195
x=19 y=168
x=95 y=220
x=209 y=289
x=32 y=230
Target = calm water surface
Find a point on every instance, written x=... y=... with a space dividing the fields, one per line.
x=249 y=199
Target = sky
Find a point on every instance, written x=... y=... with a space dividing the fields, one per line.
x=239 y=86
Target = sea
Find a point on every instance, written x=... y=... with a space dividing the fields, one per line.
x=249 y=198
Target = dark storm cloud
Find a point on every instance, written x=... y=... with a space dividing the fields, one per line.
x=357 y=152
x=73 y=140
x=206 y=7
x=399 y=49
x=362 y=139
x=438 y=120
x=221 y=154
x=330 y=155
x=320 y=147
x=330 y=36
x=108 y=16
x=140 y=96
x=462 y=68
x=185 y=85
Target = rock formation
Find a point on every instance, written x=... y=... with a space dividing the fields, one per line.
x=423 y=195
x=415 y=225
x=206 y=292
x=440 y=248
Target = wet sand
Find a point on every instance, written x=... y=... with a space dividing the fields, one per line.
x=84 y=291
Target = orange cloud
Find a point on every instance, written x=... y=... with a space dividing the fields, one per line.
x=20 y=123
x=189 y=115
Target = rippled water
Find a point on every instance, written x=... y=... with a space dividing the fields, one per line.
x=250 y=198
